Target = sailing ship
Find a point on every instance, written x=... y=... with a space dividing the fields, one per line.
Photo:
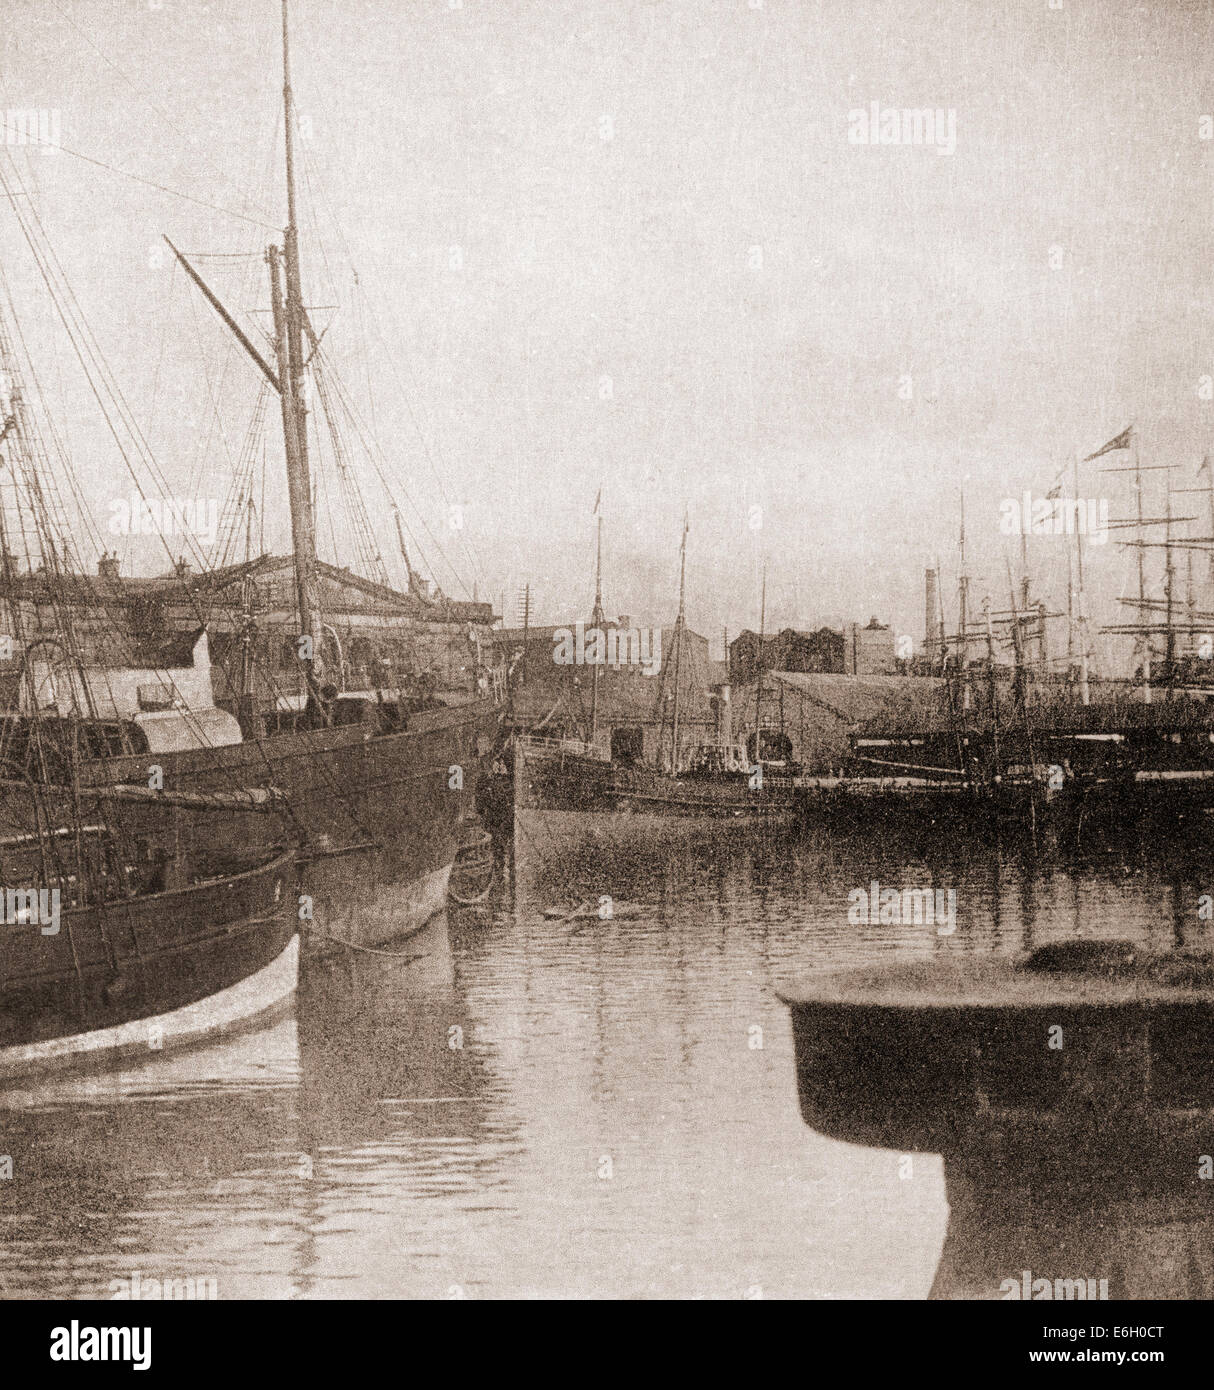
x=379 y=787
x=1017 y=742
x=567 y=788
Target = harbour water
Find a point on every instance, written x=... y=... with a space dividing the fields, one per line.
x=520 y=1105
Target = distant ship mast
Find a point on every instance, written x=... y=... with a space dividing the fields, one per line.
x=597 y=621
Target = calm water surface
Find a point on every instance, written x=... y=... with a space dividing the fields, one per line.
x=524 y=1106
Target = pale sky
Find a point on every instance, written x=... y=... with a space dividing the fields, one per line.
x=660 y=193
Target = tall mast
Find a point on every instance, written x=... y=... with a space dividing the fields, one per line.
x=1169 y=583
x=1085 y=696
x=963 y=595
x=290 y=246
x=678 y=651
x=762 y=654
x=1209 y=472
x=1190 y=604
x=288 y=338
x=596 y=621
x=404 y=553
x=991 y=686
x=302 y=539
x=1146 y=636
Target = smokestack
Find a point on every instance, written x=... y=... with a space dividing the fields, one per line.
x=931 y=625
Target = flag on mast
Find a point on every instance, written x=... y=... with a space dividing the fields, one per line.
x=598 y=497
x=1123 y=441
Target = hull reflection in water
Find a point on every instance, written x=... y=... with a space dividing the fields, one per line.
x=227 y=1162
x=543 y=837
x=382 y=1045
x=360 y=1153
x=108 y=1170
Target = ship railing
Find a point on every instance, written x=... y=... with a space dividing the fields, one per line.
x=539 y=743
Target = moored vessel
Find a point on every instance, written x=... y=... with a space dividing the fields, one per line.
x=569 y=791
x=376 y=780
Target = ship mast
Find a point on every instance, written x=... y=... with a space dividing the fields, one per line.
x=963 y=591
x=678 y=652
x=1085 y=697
x=1146 y=636
x=1169 y=582
x=1210 y=495
x=288 y=315
x=762 y=652
x=597 y=622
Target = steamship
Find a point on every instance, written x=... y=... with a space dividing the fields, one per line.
x=374 y=778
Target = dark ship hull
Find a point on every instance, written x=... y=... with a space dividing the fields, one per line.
x=377 y=818
x=1097 y=768
x=136 y=976
x=563 y=798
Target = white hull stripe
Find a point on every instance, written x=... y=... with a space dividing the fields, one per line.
x=236 y=1004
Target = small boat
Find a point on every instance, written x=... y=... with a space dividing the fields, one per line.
x=591 y=907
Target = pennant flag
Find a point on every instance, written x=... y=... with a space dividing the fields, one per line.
x=598 y=497
x=1202 y=467
x=1123 y=441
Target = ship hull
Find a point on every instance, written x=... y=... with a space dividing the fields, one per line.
x=377 y=820
x=563 y=801
x=145 y=974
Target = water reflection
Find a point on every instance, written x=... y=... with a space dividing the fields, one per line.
x=1087 y=1195
x=1025 y=1232
x=176 y=1168
x=518 y=1105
